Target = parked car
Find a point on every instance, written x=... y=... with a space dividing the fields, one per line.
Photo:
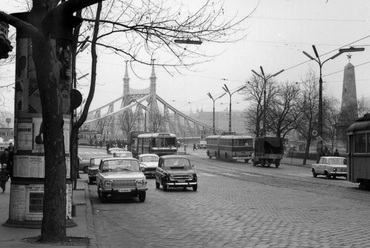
x=94 y=167
x=115 y=149
x=83 y=164
x=148 y=164
x=330 y=166
x=119 y=177
x=175 y=171
x=202 y=144
x=122 y=154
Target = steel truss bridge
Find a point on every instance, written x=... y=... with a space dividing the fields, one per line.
x=143 y=110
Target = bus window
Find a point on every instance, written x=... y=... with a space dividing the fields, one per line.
x=360 y=143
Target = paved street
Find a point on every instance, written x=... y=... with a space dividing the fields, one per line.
x=238 y=205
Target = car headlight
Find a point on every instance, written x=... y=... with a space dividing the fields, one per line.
x=108 y=183
x=171 y=177
x=190 y=177
x=335 y=169
x=140 y=182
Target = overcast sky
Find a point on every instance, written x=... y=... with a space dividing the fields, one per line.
x=277 y=33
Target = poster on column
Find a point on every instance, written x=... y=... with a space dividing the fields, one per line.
x=24 y=134
x=63 y=52
x=21 y=81
x=34 y=101
x=38 y=135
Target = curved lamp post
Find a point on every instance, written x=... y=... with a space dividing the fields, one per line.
x=230 y=94
x=265 y=79
x=214 y=100
x=321 y=63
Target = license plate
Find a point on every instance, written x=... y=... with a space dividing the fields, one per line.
x=124 y=190
x=181 y=181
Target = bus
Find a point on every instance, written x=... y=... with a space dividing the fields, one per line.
x=230 y=147
x=156 y=143
x=132 y=142
x=358 y=164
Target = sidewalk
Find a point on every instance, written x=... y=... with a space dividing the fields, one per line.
x=297 y=161
x=13 y=237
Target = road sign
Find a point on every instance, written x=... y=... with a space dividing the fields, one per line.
x=314 y=133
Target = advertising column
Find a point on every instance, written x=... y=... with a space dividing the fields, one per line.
x=27 y=184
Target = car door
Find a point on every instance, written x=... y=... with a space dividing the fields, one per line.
x=159 y=171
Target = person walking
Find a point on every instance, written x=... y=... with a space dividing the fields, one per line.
x=336 y=153
x=4 y=176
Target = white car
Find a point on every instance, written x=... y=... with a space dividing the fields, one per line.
x=330 y=166
x=119 y=177
x=148 y=164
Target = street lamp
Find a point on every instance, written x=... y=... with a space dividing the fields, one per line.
x=230 y=94
x=214 y=100
x=317 y=59
x=265 y=79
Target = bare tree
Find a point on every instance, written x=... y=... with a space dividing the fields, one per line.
x=46 y=15
x=284 y=110
x=255 y=95
x=127 y=121
x=307 y=123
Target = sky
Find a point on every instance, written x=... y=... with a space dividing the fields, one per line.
x=277 y=33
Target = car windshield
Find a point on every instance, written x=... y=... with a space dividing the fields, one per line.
x=120 y=165
x=122 y=154
x=149 y=159
x=174 y=163
x=337 y=161
x=95 y=162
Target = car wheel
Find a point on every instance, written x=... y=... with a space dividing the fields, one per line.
x=164 y=186
x=195 y=187
x=327 y=175
x=246 y=161
x=142 y=196
x=102 y=197
x=277 y=164
x=314 y=174
x=84 y=169
x=157 y=185
x=254 y=163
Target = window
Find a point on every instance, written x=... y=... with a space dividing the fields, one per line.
x=360 y=143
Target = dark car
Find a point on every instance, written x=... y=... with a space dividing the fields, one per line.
x=94 y=167
x=175 y=171
x=83 y=164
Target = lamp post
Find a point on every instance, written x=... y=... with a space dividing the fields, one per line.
x=230 y=94
x=321 y=63
x=265 y=79
x=214 y=100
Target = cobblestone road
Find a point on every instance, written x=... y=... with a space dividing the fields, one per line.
x=239 y=206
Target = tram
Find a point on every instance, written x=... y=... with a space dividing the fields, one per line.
x=358 y=135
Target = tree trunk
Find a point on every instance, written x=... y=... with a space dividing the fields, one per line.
x=54 y=208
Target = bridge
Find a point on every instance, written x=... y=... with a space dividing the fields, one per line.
x=143 y=110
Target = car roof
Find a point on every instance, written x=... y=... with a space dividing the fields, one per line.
x=102 y=156
x=332 y=157
x=118 y=158
x=174 y=156
x=148 y=154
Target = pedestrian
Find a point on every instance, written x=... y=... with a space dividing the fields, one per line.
x=4 y=176
x=194 y=147
x=336 y=153
x=10 y=159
